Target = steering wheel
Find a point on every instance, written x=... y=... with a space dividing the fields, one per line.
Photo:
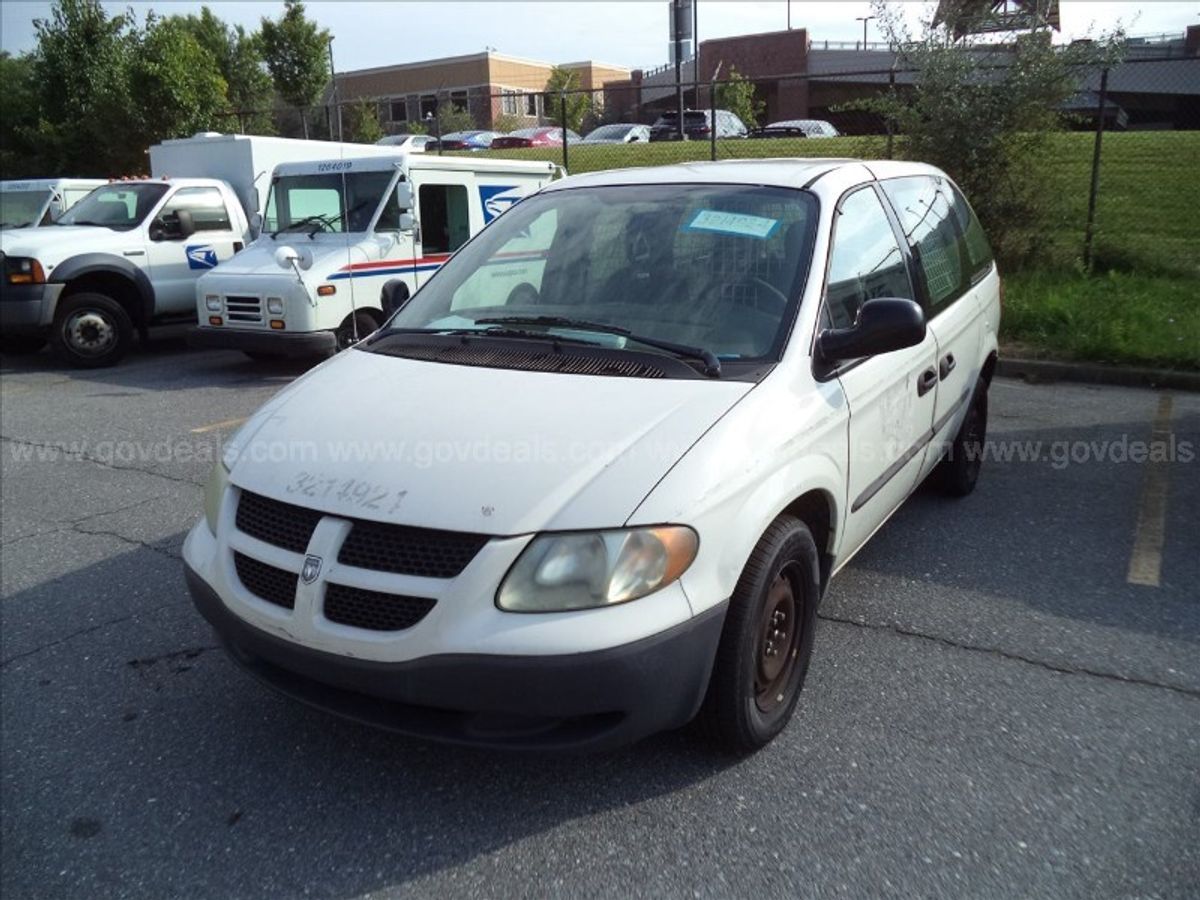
x=778 y=301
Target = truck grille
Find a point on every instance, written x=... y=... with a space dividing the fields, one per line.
x=374 y=610
x=246 y=310
x=266 y=582
x=424 y=552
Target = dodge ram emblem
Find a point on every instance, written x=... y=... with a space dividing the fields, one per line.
x=312 y=568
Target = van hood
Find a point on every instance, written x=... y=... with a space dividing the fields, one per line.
x=462 y=448
x=54 y=243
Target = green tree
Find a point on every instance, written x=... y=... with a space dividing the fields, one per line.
x=988 y=127
x=452 y=118
x=249 y=91
x=506 y=122
x=296 y=50
x=736 y=94
x=18 y=117
x=176 y=87
x=81 y=76
x=578 y=105
x=362 y=122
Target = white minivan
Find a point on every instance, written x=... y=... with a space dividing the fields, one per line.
x=593 y=478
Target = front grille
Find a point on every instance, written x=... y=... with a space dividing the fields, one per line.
x=374 y=610
x=243 y=309
x=266 y=582
x=424 y=552
x=281 y=524
x=528 y=360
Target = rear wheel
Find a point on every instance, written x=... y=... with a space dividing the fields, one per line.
x=964 y=459
x=766 y=643
x=19 y=344
x=346 y=336
x=91 y=331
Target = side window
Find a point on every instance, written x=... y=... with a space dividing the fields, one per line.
x=923 y=205
x=445 y=222
x=978 y=252
x=865 y=260
x=206 y=206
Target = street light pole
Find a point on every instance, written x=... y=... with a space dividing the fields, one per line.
x=336 y=99
x=864 y=20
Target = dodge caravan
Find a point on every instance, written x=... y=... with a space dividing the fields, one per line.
x=591 y=480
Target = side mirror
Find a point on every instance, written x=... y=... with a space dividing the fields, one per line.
x=172 y=227
x=404 y=195
x=407 y=222
x=187 y=225
x=883 y=325
x=393 y=296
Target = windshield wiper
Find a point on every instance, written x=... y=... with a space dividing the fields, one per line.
x=299 y=223
x=712 y=365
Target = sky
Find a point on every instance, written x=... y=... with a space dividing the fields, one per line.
x=630 y=33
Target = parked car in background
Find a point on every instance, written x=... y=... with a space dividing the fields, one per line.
x=621 y=133
x=414 y=143
x=813 y=128
x=687 y=396
x=464 y=140
x=697 y=125
x=545 y=136
x=26 y=204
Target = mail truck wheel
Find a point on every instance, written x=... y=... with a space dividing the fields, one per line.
x=767 y=640
x=91 y=331
x=964 y=459
x=345 y=334
x=19 y=344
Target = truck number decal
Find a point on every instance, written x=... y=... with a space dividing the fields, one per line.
x=340 y=166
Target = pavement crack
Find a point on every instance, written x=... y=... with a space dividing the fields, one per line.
x=1016 y=657
x=161 y=551
x=4 y=663
x=60 y=451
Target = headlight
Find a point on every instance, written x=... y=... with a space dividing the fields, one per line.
x=213 y=492
x=23 y=270
x=275 y=306
x=213 y=302
x=559 y=572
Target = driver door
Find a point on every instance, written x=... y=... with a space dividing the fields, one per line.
x=177 y=259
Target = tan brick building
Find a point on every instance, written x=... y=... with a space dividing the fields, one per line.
x=488 y=85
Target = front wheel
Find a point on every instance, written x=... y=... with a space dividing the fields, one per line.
x=91 y=331
x=346 y=336
x=767 y=640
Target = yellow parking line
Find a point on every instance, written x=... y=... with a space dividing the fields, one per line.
x=217 y=426
x=1145 y=564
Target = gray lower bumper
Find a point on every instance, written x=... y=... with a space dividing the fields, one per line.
x=280 y=343
x=28 y=308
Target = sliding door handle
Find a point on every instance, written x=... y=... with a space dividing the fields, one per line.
x=946 y=366
x=927 y=382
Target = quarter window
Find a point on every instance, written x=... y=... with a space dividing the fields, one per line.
x=865 y=261
x=923 y=205
x=978 y=251
x=206 y=206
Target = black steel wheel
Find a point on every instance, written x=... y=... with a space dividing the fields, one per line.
x=91 y=331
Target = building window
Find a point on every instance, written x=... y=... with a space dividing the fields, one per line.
x=399 y=111
x=458 y=99
x=428 y=105
x=509 y=102
x=531 y=104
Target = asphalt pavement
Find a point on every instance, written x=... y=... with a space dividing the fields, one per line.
x=1004 y=699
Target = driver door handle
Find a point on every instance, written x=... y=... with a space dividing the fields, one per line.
x=927 y=382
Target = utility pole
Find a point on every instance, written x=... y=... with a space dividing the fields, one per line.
x=789 y=9
x=334 y=96
x=676 y=31
x=864 y=20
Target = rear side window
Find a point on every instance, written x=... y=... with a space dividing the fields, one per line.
x=865 y=261
x=924 y=206
x=978 y=251
x=206 y=206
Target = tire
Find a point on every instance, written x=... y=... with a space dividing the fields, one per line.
x=21 y=344
x=964 y=459
x=91 y=331
x=759 y=672
x=260 y=356
x=345 y=333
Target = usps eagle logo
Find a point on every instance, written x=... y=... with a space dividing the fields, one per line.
x=496 y=198
x=201 y=256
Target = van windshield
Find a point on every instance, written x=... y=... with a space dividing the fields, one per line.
x=21 y=208
x=120 y=206
x=328 y=202
x=713 y=266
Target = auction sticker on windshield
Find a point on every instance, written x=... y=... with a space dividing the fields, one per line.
x=732 y=223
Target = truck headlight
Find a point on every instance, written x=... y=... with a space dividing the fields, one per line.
x=275 y=306
x=213 y=302
x=213 y=492
x=23 y=270
x=558 y=572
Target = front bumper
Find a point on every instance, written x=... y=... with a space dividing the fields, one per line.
x=578 y=702
x=281 y=343
x=28 y=308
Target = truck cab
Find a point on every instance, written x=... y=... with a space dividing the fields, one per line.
x=344 y=242
x=38 y=202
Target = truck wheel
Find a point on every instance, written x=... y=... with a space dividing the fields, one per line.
x=19 y=344
x=91 y=331
x=261 y=356
x=964 y=459
x=767 y=640
x=345 y=334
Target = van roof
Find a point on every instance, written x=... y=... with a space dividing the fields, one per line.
x=420 y=161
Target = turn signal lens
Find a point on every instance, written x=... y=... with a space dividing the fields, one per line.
x=214 y=320
x=24 y=270
x=277 y=324
x=326 y=290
